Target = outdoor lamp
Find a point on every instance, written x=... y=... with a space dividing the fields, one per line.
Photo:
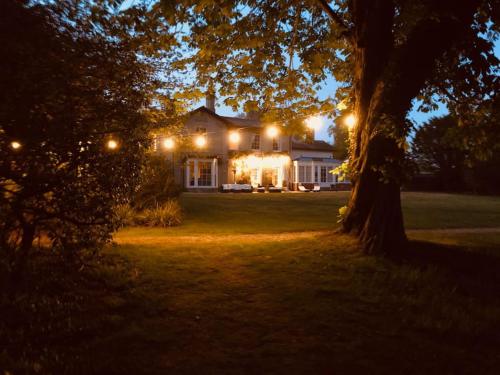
x=350 y=121
x=15 y=145
x=234 y=137
x=200 y=141
x=168 y=143
x=112 y=144
x=272 y=131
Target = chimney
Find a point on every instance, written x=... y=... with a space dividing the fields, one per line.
x=210 y=101
x=309 y=136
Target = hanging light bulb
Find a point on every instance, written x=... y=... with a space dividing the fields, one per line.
x=200 y=141
x=168 y=143
x=15 y=145
x=112 y=144
x=234 y=137
x=272 y=131
x=350 y=121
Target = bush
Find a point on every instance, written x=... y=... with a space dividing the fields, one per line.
x=167 y=215
x=124 y=215
x=157 y=184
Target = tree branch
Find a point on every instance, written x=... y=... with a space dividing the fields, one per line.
x=335 y=17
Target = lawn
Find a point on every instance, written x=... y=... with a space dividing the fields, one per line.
x=261 y=284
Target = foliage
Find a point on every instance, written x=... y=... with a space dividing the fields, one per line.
x=124 y=215
x=168 y=214
x=72 y=85
x=156 y=184
x=445 y=148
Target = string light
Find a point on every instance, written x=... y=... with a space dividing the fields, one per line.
x=350 y=121
x=200 y=141
x=168 y=143
x=112 y=144
x=234 y=137
x=15 y=145
x=272 y=131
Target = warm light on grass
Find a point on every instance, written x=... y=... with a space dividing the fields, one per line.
x=168 y=143
x=15 y=145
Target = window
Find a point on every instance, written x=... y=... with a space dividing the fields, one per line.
x=276 y=145
x=191 y=176
x=316 y=179
x=201 y=173
x=256 y=142
x=304 y=173
x=201 y=130
x=323 y=173
x=330 y=175
x=254 y=176
x=204 y=173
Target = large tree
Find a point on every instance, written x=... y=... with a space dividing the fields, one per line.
x=274 y=55
x=71 y=81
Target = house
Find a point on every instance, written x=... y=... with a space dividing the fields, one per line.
x=227 y=150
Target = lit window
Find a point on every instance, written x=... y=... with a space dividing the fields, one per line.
x=256 y=142
x=204 y=173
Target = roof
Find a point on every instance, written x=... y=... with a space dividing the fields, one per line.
x=231 y=121
x=312 y=145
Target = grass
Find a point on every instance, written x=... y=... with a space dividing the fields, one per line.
x=247 y=285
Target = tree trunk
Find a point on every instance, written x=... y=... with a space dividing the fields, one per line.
x=387 y=77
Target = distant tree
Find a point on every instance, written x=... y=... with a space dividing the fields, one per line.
x=438 y=148
x=68 y=87
x=274 y=55
x=450 y=151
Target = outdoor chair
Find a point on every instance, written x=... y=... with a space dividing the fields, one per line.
x=316 y=188
x=273 y=189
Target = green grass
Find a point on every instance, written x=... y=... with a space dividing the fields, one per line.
x=247 y=286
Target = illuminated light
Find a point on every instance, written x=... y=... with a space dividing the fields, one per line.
x=314 y=122
x=272 y=131
x=15 y=145
x=234 y=137
x=200 y=141
x=112 y=144
x=350 y=121
x=168 y=143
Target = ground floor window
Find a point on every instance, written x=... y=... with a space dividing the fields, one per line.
x=312 y=172
x=201 y=173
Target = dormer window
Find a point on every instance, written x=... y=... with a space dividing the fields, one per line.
x=276 y=145
x=255 y=142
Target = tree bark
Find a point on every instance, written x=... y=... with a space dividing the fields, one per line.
x=387 y=77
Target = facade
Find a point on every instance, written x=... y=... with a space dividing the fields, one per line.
x=229 y=150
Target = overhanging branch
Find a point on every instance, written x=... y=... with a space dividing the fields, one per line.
x=335 y=17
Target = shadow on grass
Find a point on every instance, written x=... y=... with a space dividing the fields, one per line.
x=463 y=262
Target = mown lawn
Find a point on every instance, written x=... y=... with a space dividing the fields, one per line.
x=261 y=284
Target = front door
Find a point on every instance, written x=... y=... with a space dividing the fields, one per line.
x=268 y=176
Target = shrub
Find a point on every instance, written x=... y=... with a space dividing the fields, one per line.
x=167 y=215
x=124 y=215
x=157 y=184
